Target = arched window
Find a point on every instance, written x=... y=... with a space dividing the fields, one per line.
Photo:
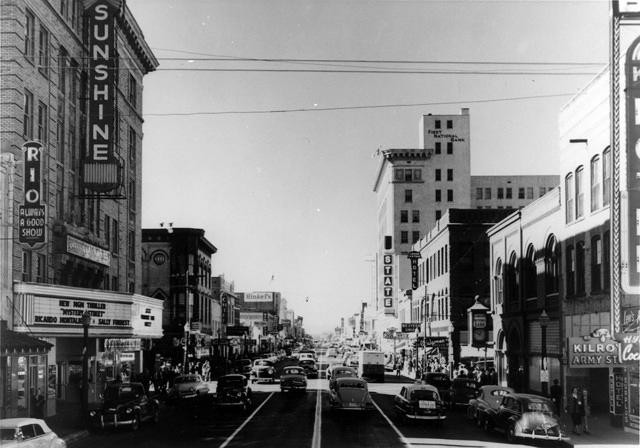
x=568 y=196
x=551 y=268
x=529 y=273
x=571 y=271
x=579 y=192
x=497 y=279
x=606 y=261
x=580 y=287
x=596 y=263
x=596 y=179
x=512 y=280
x=606 y=176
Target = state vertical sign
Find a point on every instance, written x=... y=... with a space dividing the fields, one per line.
x=387 y=285
x=32 y=216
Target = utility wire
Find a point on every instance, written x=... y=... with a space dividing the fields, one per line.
x=337 y=108
x=381 y=71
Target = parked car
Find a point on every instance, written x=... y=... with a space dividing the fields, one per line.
x=187 y=386
x=293 y=378
x=331 y=367
x=487 y=400
x=125 y=404
x=233 y=390
x=309 y=365
x=341 y=372
x=243 y=367
x=441 y=381
x=28 y=433
x=420 y=402
x=462 y=390
x=263 y=370
x=525 y=416
x=351 y=394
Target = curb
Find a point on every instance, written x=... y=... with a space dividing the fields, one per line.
x=75 y=437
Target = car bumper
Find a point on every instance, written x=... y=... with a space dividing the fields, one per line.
x=426 y=417
x=524 y=435
x=293 y=387
x=112 y=421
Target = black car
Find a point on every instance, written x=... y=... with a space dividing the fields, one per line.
x=441 y=381
x=233 y=390
x=243 y=367
x=462 y=390
x=309 y=366
x=125 y=404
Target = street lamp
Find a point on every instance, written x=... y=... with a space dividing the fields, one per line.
x=86 y=321
x=544 y=373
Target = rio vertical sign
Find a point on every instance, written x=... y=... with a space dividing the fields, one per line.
x=101 y=169
x=32 y=216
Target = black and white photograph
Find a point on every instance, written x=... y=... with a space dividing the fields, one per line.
x=319 y=223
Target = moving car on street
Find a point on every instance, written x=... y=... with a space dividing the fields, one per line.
x=420 y=402
x=28 y=433
x=263 y=370
x=525 y=416
x=243 y=367
x=233 y=390
x=462 y=390
x=350 y=394
x=441 y=381
x=293 y=378
x=125 y=404
x=341 y=372
x=488 y=400
x=309 y=365
x=187 y=386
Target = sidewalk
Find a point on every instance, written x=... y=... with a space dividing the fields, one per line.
x=601 y=433
x=67 y=423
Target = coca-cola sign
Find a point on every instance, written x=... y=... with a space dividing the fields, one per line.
x=599 y=350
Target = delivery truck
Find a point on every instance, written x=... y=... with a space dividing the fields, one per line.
x=371 y=365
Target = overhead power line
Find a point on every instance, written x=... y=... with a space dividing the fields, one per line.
x=338 y=108
x=381 y=71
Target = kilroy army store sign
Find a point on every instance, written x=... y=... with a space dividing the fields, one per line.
x=600 y=349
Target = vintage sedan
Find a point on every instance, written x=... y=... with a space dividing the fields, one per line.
x=525 y=416
x=293 y=378
x=125 y=404
x=462 y=390
x=420 y=402
x=28 y=433
x=488 y=400
x=350 y=394
x=243 y=367
x=187 y=386
x=263 y=370
x=233 y=391
x=441 y=381
x=309 y=365
x=341 y=372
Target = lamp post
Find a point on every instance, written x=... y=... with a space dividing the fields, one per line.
x=417 y=351
x=86 y=321
x=544 y=372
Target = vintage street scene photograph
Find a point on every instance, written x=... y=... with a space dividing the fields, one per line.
x=319 y=223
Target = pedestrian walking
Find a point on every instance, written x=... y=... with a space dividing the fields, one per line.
x=556 y=395
x=575 y=408
x=586 y=410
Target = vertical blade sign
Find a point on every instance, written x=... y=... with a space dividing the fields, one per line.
x=31 y=214
x=101 y=171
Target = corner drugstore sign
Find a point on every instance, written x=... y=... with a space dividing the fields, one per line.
x=603 y=351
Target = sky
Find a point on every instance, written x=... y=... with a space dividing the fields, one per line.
x=287 y=197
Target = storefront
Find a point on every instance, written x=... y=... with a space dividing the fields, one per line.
x=121 y=329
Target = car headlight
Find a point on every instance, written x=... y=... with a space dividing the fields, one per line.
x=270 y=371
x=239 y=394
x=128 y=410
x=92 y=413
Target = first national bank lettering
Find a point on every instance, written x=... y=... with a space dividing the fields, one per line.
x=101 y=169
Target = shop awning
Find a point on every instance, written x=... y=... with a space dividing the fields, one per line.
x=12 y=342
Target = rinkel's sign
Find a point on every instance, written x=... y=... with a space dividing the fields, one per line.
x=32 y=216
x=101 y=169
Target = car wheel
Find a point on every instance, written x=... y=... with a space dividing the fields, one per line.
x=478 y=420
x=511 y=434
x=486 y=424
x=471 y=414
x=136 y=423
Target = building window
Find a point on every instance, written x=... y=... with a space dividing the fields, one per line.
x=27 y=265
x=404 y=237
x=132 y=147
x=43 y=122
x=438 y=147
x=398 y=174
x=438 y=195
x=450 y=195
x=132 y=194
x=606 y=176
x=542 y=192
x=132 y=245
x=133 y=91
x=415 y=237
x=60 y=128
x=500 y=193
x=62 y=70
x=437 y=124
x=568 y=197
x=115 y=236
x=438 y=175
x=521 y=193
x=415 y=216
x=497 y=278
x=529 y=192
x=408 y=196
x=388 y=242
x=43 y=51
x=450 y=175
x=438 y=214
x=478 y=193
x=530 y=274
x=606 y=262
x=417 y=175
x=404 y=216
x=29 y=35
x=511 y=278
x=596 y=263
x=107 y=231
x=487 y=193
x=408 y=176
x=571 y=271
x=449 y=147
x=41 y=268
x=27 y=123
x=114 y=283
x=580 y=287
x=551 y=267
x=579 y=193
x=449 y=124
x=596 y=178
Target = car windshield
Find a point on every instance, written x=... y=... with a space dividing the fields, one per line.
x=7 y=433
x=231 y=382
x=466 y=384
x=124 y=392
x=352 y=385
x=344 y=372
x=439 y=381
x=539 y=406
x=499 y=392
x=423 y=394
x=263 y=362
x=187 y=379
x=293 y=371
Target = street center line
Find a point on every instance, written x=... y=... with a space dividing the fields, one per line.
x=239 y=428
x=402 y=438
x=317 y=425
